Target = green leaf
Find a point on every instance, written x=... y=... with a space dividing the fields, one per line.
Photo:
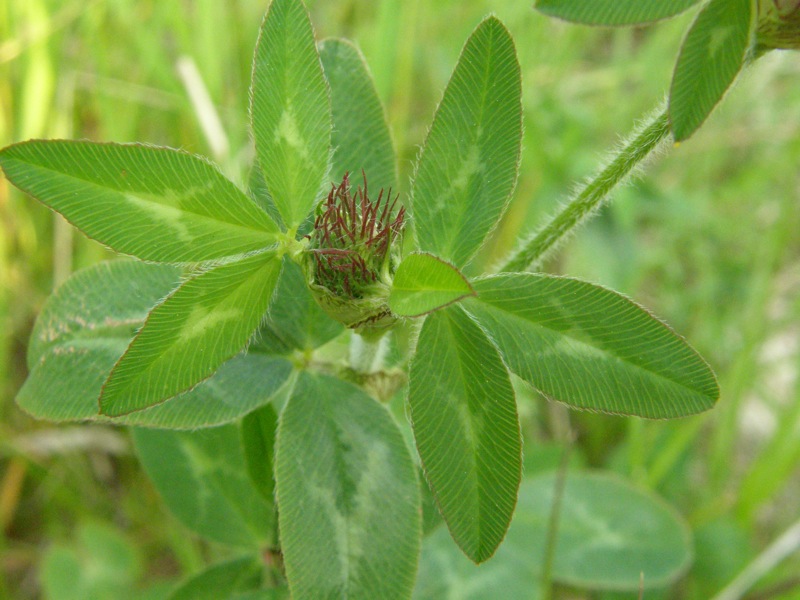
x=101 y=564
x=468 y=166
x=258 y=441
x=295 y=320
x=348 y=496
x=290 y=110
x=611 y=535
x=424 y=283
x=222 y=581
x=466 y=428
x=712 y=54
x=444 y=572
x=202 y=479
x=156 y=204
x=257 y=187
x=592 y=348
x=613 y=12
x=361 y=138
x=83 y=330
x=191 y=333
x=65 y=385
x=108 y=300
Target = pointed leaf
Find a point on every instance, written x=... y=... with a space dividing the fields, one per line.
x=187 y=337
x=156 y=204
x=466 y=428
x=424 y=283
x=592 y=348
x=613 y=12
x=711 y=56
x=361 y=138
x=83 y=330
x=347 y=491
x=290 y=111
x=468 y=166
x=202 y=479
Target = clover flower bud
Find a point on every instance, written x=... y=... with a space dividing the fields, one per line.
x=779 y=24
x=352 y=253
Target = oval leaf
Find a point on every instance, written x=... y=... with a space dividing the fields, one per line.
x=466 y=428
x=83 y=330
x=592 y=348
x=468 y=166
x=202 y=479
x=153 y=203
x=361 y=138
x=711 y=56
x=611 y=535
x=290 y=110
x=347 y=491
x=424 y=283
x=203 y=323
x=613 y=12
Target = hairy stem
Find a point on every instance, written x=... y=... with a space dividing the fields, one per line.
x=592 y=196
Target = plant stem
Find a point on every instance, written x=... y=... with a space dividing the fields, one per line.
x=592 y=196
x=562 y=430
x=367 y=354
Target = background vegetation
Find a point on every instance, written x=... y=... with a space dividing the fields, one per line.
x=708 y=240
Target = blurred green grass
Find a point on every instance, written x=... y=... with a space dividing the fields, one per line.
x=708 y=239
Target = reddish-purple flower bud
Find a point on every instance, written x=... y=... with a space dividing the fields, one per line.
x=779 y=24
x=353 y=251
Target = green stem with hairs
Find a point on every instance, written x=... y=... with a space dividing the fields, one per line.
x=593 y=195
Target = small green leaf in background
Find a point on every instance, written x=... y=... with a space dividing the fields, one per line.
x=202 y=478
x=295 y=320
x=83 y=330
x=591 y=348
x=347 y=493
x=712 y=54
x=613 y=12
x=224 y=581
x=290 y=110
x=101 y=564
x=466 y=428
x=424 y=283
x=611 y=535
x=467 y=168
x=187 y=337
x=361 y=138
x=258 y=442
x=153 y=203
